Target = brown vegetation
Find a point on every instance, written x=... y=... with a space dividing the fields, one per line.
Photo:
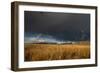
x=40 y=52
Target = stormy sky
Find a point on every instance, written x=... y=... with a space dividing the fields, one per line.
x=63 y=26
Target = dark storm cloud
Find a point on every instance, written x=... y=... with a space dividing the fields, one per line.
x=60 y=25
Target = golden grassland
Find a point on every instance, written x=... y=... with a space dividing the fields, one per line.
x=41 y=52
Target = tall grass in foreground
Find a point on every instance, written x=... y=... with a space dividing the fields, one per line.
x=40 y=52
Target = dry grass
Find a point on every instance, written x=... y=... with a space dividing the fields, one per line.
x=39 y=52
